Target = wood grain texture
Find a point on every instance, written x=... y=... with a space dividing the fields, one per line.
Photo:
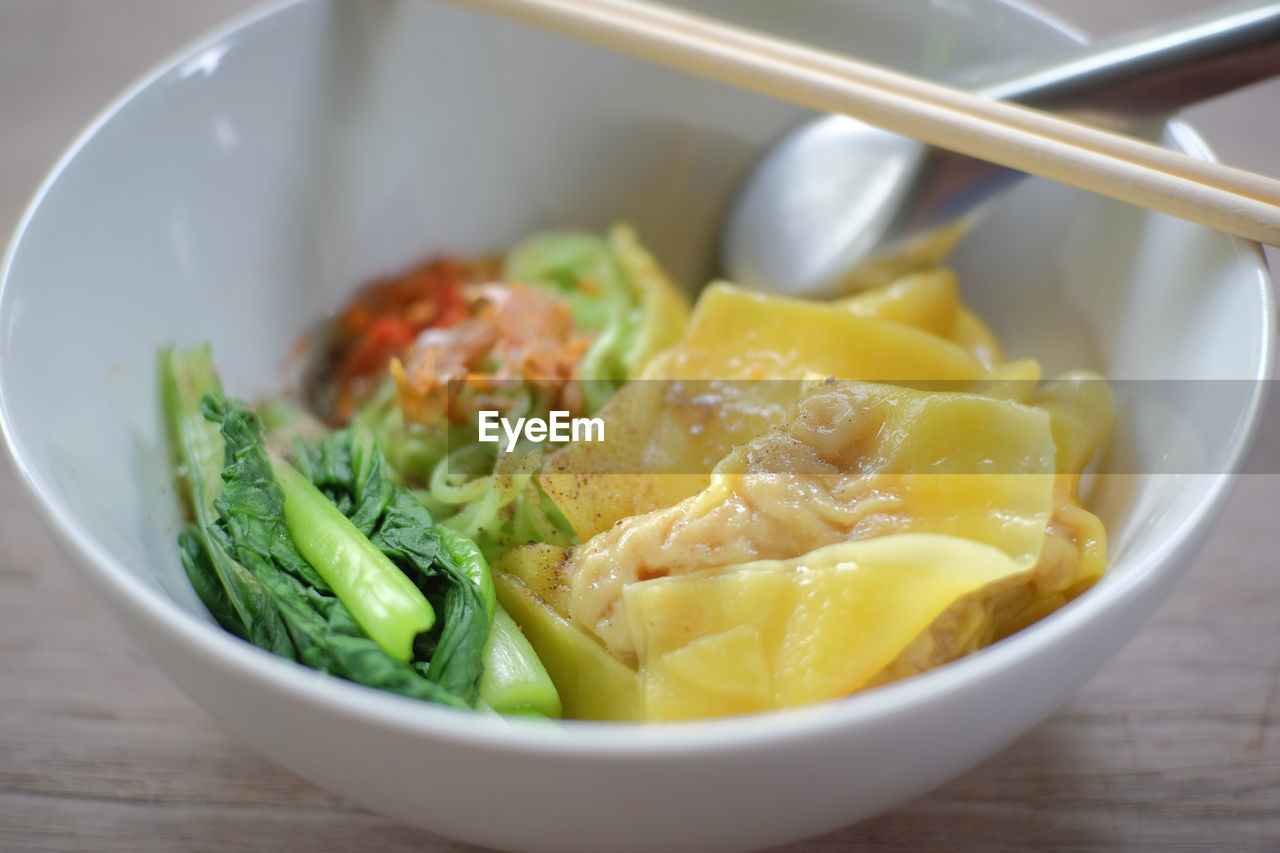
x=1175 y=746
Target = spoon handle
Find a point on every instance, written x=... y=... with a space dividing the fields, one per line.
x=1126 y=85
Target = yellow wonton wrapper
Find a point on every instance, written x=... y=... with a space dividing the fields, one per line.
x=674 y=433
x=664 y=307
x=781 y=633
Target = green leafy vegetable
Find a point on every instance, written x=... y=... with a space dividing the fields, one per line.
x=242 y=560
x=334 y=564
x=348 y=468
x=466 y=554
x=233 y=595
x=478 y=636
x=251 y=515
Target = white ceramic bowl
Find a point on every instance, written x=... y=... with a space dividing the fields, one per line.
x=241 y=191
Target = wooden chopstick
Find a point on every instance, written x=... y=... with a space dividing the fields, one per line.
x=1118 y=145
x=1107 y=163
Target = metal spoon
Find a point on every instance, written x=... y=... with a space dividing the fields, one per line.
x=840 y=205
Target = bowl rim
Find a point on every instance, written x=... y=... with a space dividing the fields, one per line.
x=600 y=739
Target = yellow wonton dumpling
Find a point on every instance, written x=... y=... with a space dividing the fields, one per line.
x=897 y=496
x=854 y=460
x=690 y=405
x=780 y=633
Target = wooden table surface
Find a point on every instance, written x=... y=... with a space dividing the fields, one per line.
x=1174 y=746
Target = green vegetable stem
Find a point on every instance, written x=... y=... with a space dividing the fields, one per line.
x=381 y=598
x=515 y=681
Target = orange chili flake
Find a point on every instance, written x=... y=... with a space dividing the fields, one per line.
x=385 y=318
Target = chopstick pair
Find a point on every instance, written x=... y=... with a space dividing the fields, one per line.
x=1121 y=167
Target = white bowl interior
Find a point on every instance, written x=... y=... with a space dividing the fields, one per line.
x=241 y=194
